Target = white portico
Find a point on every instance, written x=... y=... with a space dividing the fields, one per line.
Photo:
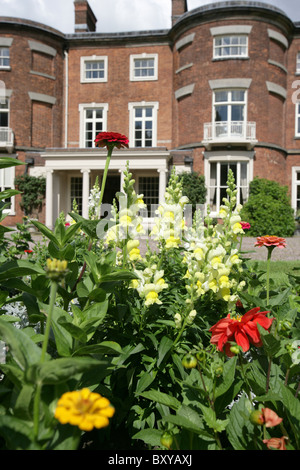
x=71 y=173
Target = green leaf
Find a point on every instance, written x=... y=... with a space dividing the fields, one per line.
x=212 y=422
x=62 y=369
x=164 y=347
x=189 y=419
x=17 y=433
x=75 y=331
x=145 y=380
x=149 y=436
x=63 y=339
x=6 y=162
x=45 y=231
x=106 y=347
x=8 y=193
x=228 y=377
x=70 y=232
x=121 y=275
x=25 y=352
x=163 y=398
x=88 y=226
x=239 y=429
x=19 y=268
x=270 y=343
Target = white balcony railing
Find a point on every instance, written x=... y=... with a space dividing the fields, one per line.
x=6 y=138
x=229 y=132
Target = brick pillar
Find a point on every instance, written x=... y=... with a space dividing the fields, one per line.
x=85 y=20
x=179 y=7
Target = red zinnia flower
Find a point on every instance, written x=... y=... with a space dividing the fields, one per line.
x=111 y=139
x=270 y=240
x=276 y=443
x=28 y=251
x=242 y=330
x=245 y=225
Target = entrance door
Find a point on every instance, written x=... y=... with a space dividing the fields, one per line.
x=112 y=187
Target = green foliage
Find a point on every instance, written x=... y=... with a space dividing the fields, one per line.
x=170 y=386
x=33 y=191
x=268 y=210
x=193 y=186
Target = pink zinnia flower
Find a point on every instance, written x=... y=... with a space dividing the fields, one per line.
x=245 y=225
x=271 y=240
x=276 y=443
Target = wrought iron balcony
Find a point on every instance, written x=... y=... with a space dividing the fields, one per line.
x=229 y=133
x=6 y=139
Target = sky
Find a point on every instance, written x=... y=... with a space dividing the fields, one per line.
x=115 y=15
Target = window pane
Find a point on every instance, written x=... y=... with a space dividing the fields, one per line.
x=238 y=95
x=221 y=113
x=3 y=119
x=237 y=112
x=76 y=192
x=149 y=187
x=221 y=96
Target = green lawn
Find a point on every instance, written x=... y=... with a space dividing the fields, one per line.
x=279 y=270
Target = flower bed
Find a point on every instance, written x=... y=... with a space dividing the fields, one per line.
x=181 y=348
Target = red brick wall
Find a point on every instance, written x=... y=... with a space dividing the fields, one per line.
x=118 y=91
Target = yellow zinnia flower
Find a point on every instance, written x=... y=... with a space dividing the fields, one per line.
x=84 y=409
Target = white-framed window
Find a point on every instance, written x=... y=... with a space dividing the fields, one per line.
x=4 y=112
x=149 y=187
x=216 y=176
x=229 y=112
x=76 y=185
x=143 y=67
x=4 y=58
x=297 y=123
x=7 y=179
x=93 y=69
x=230 y=46
x=298 y=63
x=295 y=199
x=143 y=124
x=93 y=119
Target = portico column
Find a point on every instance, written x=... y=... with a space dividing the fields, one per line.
x=121 y=171
x=85 y=192
x=162 y=184
x=49 y=198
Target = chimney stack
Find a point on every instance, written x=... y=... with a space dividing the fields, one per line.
x=85 y=20
x=179 y=7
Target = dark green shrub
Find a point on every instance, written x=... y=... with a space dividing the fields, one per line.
x=268 y=209
x=193 y=186
x=33 y=191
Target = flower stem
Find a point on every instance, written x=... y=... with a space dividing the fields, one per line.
x=109 y=153
x=270 y=249
x=37 y=398
x=53 y=292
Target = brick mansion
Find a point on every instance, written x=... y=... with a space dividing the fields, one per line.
x=220 y=89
